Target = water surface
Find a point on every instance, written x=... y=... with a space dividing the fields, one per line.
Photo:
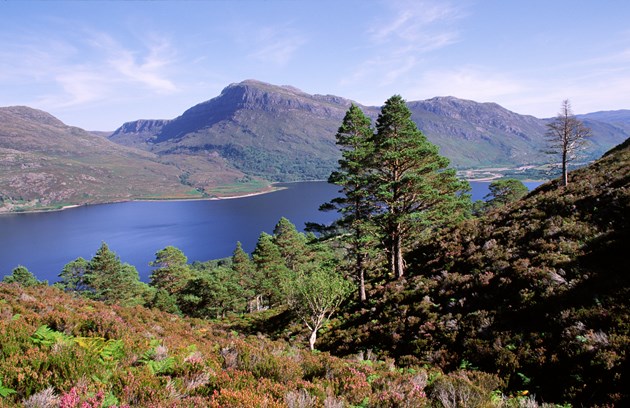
x=203 y=230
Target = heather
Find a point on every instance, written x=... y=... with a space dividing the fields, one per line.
x=535 y=291
x=66 y=351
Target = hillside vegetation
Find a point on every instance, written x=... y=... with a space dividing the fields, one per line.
x=62 y=351
x=45 y=164
x=537 y=291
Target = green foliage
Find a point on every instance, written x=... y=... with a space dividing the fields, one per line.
x=505 y=191
x=47 y=337
x=412 y=187
x=537 y=293
x=172 y=271
x=271 y=269
x=354 y=206
x=314 y=294
x=112 y=281
x=22 y=276
x=211 y=295
x=73 y=276
x=5 y=391
x=290 y=243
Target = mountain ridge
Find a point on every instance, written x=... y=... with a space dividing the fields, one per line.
x=251 y=134
x=469 y=133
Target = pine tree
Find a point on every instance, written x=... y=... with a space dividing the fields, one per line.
x=73 y=276
x=22 y=276
x=112 y=281
x=355 y=206
x=290 y=243
x=244 y=270
x=270 y=269
x=505 y=191
x=172 y=272
x=410 y=182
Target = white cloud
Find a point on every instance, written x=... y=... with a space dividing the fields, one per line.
x=276 y=45
x=92 y=67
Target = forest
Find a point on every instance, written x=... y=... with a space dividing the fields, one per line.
x=414 y=297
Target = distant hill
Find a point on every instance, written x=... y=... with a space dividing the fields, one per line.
x=46 y=164
x=282 y=133
x=537 y=291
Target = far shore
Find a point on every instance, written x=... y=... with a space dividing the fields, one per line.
x=273 y=188
x=67 y=207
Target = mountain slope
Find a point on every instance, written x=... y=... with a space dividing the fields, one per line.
x=282 y=133
x=279 y=133
x=538 y=291
x=46 y=164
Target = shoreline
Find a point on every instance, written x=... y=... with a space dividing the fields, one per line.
x=272 y=189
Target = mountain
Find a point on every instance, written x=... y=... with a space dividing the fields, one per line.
x=537 y=291
x=237 y=142
x=282 y=133
x=46 y=164
x=279 y=133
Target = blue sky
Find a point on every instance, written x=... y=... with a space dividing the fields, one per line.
x=97 y=64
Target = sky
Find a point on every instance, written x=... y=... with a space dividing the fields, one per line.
x=98 y=64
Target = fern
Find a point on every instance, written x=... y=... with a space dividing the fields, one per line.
x=5 y=391
x=45 y=336
x=108 y=351
x=161 y=367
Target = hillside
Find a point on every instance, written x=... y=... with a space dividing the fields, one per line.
x=46 y=164
x=538 y=292
x=60 y=350
x=282 y=133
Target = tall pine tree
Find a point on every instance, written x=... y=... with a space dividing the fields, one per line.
x=410 y=182
x=355 y=204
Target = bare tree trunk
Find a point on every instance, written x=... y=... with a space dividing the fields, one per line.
x=565 y=176
x=312 y=339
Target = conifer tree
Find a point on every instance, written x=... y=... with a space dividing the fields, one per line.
x=505 y=191
x=290 y=243
x=73 y=276
x=270 y=269
x=22 y=276
x=244 y=270
x=112 y=281
x=172 y=272
x=410 y=183
x=355 y=206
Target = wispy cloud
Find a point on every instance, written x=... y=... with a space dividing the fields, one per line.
x=90 y=68
x=401 y=38
x=417 y=22
x=276 y=45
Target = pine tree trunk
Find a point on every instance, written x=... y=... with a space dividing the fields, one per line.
x=362 y=295
x=398 y=258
